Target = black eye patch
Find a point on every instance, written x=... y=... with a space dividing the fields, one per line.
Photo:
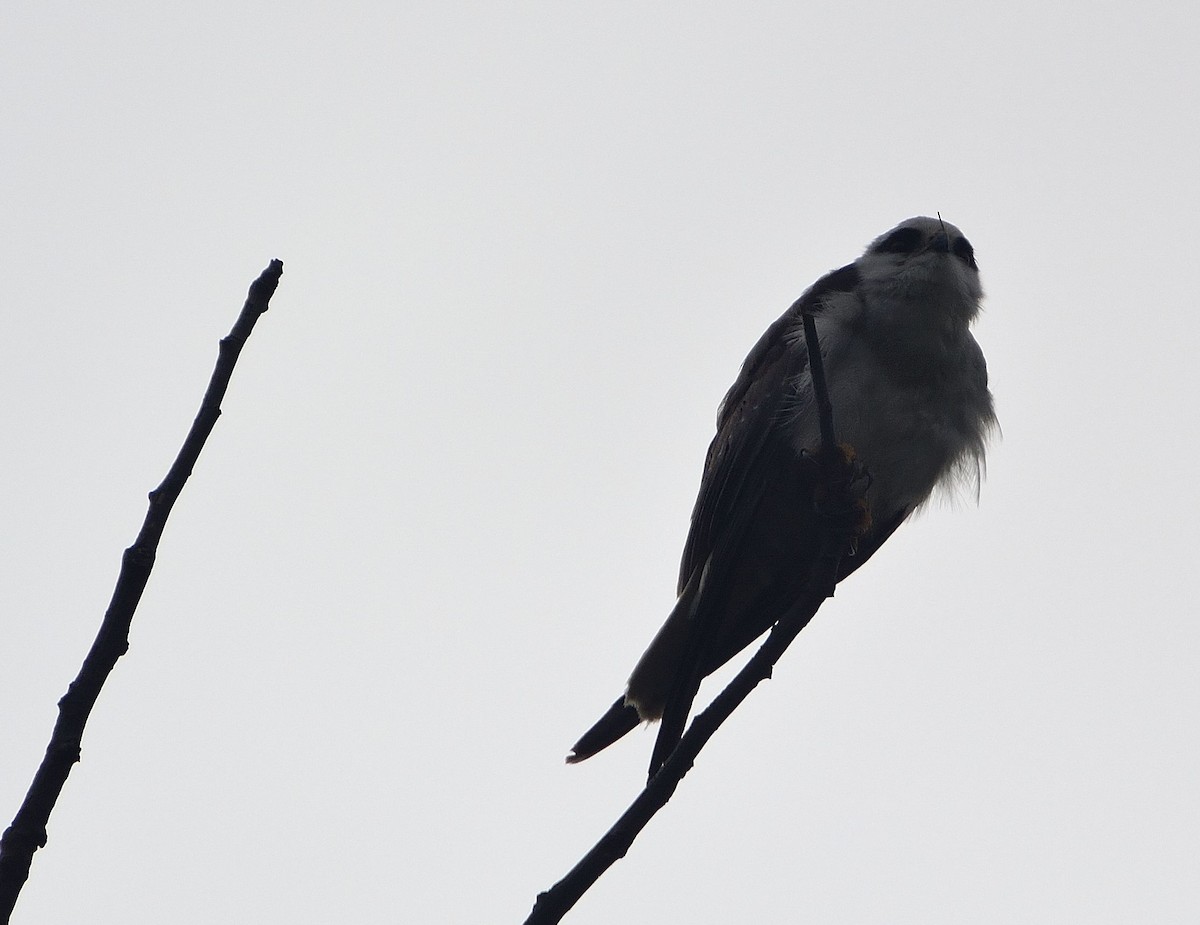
x=901 y=241
x=963 y=250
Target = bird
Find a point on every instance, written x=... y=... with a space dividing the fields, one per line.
x=909 y=390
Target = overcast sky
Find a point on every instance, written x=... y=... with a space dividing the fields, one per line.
x=526 y=248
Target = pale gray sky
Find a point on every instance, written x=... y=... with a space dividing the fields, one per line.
x=527 y=247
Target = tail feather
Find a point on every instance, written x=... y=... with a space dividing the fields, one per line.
x=650 y=683
x=620 y=719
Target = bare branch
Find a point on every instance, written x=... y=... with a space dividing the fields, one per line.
x=842 y=487
x=28 y=830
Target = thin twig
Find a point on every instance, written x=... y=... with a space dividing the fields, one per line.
x=842 y=485
x=28 y=830
x=816 y=366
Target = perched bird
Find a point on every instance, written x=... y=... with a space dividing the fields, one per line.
x=908 y=386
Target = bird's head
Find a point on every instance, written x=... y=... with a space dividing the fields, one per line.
x=924 y=258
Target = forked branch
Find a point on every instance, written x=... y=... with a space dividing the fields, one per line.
x=842 y=486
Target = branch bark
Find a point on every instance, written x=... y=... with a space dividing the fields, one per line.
x=842 y=483
x=27 y=833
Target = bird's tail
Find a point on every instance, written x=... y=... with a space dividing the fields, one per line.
x=648 y=686
x=620 y=719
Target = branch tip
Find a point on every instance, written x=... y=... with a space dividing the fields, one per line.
x=28 y=830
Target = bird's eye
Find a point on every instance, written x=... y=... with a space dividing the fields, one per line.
x=902 y=241
x=964 y=251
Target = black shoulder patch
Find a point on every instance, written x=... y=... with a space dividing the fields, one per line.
x=844 y=280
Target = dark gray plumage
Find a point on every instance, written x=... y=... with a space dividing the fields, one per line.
x=908 y=385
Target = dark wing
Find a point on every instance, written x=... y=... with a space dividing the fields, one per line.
x=748 y=417
x=744 y=422
x=751 y=530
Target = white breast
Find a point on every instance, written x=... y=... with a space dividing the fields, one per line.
x=916 y=410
